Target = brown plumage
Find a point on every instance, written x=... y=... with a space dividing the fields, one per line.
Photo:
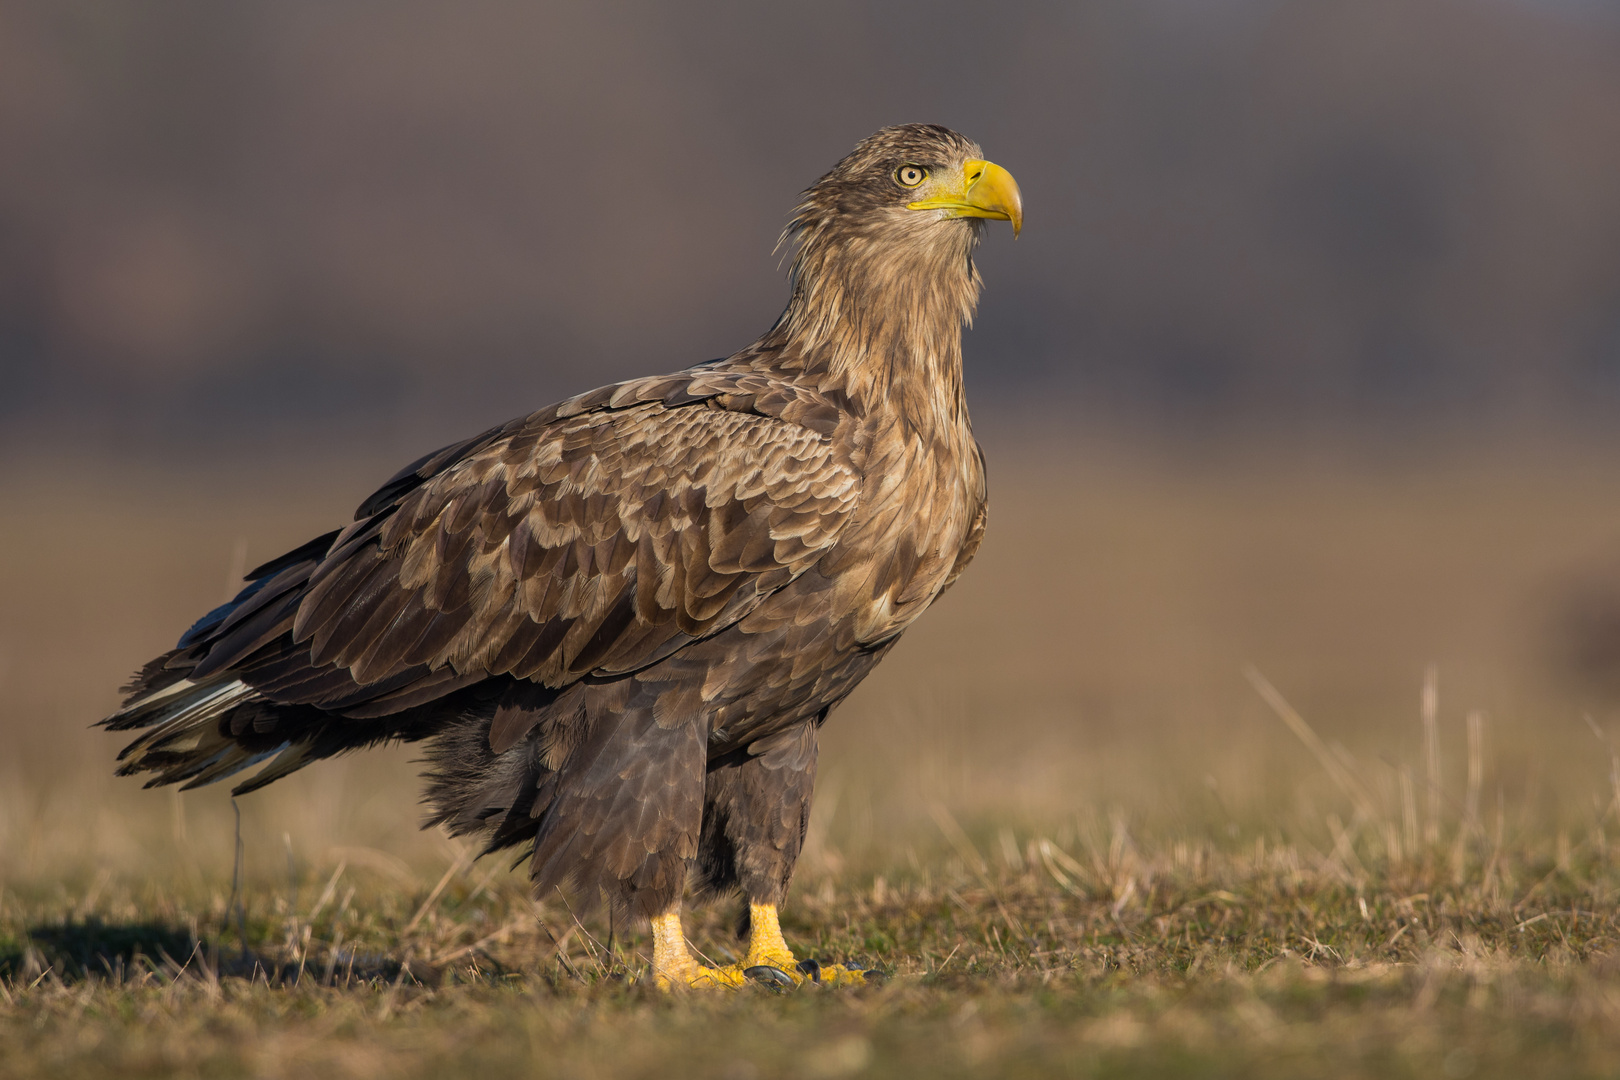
x=621 y=620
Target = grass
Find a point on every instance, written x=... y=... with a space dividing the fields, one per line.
x=1115 y=959
x=1072 y=835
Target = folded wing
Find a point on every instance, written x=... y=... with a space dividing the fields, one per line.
x=593 y=538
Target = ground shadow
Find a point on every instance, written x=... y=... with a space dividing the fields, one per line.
x=76 y=950
x=91 y=948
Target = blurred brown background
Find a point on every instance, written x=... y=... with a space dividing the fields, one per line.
x=220 y=223
x=1309 y=356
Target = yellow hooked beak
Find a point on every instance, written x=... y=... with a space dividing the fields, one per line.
x=984 y=190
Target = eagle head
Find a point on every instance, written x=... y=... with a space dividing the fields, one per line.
x=904 y=180
x=883 y=279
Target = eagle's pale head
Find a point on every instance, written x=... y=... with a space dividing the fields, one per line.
x=904 y=179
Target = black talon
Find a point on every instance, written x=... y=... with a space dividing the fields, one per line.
x=810 y=969
x=771 y=976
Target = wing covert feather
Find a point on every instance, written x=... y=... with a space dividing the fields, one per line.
x=581 y=540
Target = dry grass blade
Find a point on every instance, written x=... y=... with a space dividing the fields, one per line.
x=1347 y=782
x=1476 y=779
x=958 y=839
x=1431 y=751
x=500 y=935
x=963 y=844
x=328 y=892
x=463 y=859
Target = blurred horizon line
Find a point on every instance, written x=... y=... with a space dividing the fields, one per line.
x=237 y=224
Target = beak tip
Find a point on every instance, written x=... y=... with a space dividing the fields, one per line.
x=1000 y=194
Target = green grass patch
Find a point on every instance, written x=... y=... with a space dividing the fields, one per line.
x=1197 y=960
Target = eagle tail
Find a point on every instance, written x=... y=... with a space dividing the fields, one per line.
x=185 y=739
x=199 y=730
x=195 y=729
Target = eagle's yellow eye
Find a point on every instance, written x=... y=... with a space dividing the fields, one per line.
x=910 y=175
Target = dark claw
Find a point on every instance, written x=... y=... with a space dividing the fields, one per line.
x=810 y=969
x=772 y=976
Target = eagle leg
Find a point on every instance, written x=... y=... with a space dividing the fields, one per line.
x=674 y=966
x=770 y=960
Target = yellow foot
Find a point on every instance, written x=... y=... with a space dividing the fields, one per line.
x=674 y=966
x=837 y=974
x=695 y=976
x=769 y=960
x=789 y=974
